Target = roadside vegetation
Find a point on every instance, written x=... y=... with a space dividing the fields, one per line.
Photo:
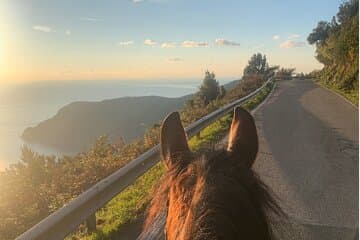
x=337 y=48
x=284 y=73
x=38 y=185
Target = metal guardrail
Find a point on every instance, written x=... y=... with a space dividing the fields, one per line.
x=65 y=220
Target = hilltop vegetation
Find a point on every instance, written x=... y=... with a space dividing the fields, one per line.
x=38 y=185
x=337 y=48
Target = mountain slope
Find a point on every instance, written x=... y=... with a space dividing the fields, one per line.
x=79 y=124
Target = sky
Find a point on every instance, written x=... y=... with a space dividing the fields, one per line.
x=153 y=39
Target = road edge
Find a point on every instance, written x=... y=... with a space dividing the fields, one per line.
x=265 y=100
x=339 y=95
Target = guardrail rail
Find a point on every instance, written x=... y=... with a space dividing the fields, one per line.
x=83 y=208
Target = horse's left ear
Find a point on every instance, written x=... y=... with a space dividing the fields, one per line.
x=243 y=139
x=173 y=142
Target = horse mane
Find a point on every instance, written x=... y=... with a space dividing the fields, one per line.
x=238 y=180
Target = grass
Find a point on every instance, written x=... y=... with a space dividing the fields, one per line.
x=126 y=207
x=352 y=95
x=130 y=204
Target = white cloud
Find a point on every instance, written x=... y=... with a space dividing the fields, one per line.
x=90 y=19
x=43 y=28
x=149 y=42
x=125 y=43
x=292 y=44
x=224 y=42
x=168 y=45
x=191 y=44
x=293 y=36
x=137 y=1
x=68 y=33
x=276 y=37
x=176 y=59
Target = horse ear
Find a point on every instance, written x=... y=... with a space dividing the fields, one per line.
x=173 y=141
x=243 y=139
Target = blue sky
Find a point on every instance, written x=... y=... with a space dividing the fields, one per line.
x=165 y=39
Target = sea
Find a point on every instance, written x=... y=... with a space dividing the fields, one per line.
x=24 y=105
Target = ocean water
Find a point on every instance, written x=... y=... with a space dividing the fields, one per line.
x=27 y=104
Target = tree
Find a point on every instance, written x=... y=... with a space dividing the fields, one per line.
x=256 y=65
x=256 y=73
x=210 y=87
x=348 y=10
x=320 y=33
x=284 y=73
x=337 y=47
x=222 y=92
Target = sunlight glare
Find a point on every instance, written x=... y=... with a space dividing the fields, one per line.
x=2 y=51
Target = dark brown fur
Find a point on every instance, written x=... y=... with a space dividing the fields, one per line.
x=215 y=195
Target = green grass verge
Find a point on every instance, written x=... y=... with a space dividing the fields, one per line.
x=352 y=96
x=131 y=203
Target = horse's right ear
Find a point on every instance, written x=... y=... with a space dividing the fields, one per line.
x=243 y=138
x=173 y=142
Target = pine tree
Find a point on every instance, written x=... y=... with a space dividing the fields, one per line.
x=210 y=87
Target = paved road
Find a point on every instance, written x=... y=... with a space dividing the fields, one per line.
x=309 y=157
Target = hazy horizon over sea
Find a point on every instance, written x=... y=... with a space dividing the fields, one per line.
x=24 y=105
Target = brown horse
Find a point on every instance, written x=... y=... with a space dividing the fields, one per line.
x=212 y=196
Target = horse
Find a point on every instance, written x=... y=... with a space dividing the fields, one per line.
x=213 y=195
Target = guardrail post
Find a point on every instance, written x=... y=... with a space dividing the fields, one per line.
x=91 y=223
x=198 y=135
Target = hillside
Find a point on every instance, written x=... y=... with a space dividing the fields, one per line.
x=337 y=49
x=79 y=124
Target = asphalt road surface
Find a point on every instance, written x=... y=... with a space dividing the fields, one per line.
x=309 y=157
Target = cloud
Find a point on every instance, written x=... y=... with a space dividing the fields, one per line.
x=176 y=59
x=293 y=36
x=224 y=42
x=292 y=44
x=149 y=42
x=68 y=33
x=43 y=28
x=276 y=37
x=90 y=19
x=192 y=44
x=168 y=45
x=137 y=1
x=125 y=43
